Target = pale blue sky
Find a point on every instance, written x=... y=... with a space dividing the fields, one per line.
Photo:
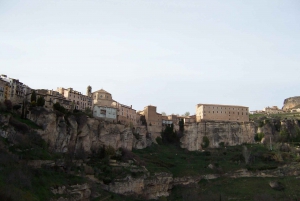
x=172 y=54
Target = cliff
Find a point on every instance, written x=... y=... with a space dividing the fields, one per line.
x=291 y=102
x=228 y=133
x=76 y=132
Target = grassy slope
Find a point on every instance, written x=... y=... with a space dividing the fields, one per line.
x=181 y=162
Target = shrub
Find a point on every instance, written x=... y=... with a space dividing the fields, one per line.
x=259 y=136
x=110 y=151
x=284 y=135
x=40 y=101
x=8 y=105
x=205 y=142
x=16 y=107
x=18 y=125
x=159 y=140
x=58 y=107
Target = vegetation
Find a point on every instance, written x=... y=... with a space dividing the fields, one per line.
x=205 y=142
x=259 y=136
x=58 y=107
x=40 y=101
x=169 y=135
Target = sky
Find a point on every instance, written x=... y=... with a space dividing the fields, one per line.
x=171 y=54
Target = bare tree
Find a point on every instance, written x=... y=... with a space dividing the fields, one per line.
x=246 y=154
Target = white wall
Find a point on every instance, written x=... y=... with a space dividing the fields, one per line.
x=105 y=112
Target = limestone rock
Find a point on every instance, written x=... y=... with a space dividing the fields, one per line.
x=276 y=185
x=229 y=133
x=291 y=102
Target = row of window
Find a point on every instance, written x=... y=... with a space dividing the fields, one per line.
x=246 y=109
x=228 y=112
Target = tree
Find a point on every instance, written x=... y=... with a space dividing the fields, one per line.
x=8 y=105
x=16 y=107
x=40 y=101
x=58 y=107
x=181 y=125
x=187 y=114
x=246 y=154
x=33 y=96
x=163 y=114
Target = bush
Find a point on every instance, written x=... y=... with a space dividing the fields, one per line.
x=40 y=101
x=205 y=142
x=58 y=107
x=259 y=136
x=8 y=105
x=16 y=107
x=110 y=151
x=18 y=125
x=159 y=140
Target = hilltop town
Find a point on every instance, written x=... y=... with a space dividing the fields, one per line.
x=116 y=152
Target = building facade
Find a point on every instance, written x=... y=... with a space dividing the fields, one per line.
x=51 y=97
x=2 y=90
x=104 y=106
x=79 y=101
x=213 y=112
x=152 y=117
x=126 y=114
x=272 y=110
x=14 y=90
x=106 y=113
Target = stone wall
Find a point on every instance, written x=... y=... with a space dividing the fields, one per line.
x=228 y=132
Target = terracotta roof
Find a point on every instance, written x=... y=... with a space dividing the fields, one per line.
x=101 y=91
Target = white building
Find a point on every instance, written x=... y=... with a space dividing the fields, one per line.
x=106 y=113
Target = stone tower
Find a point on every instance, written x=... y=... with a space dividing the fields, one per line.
x=89 y=91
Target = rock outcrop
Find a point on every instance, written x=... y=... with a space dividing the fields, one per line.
x=73 y=193
x=229 y=133
x=291 y=102
x=66 y=133
x=151 y=187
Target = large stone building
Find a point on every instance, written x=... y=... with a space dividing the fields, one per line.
x=213 y=112
x=104 y=106
x=79 y=101
x=152 y=117
x=51 y=97
x=126 y=114
x=14 y=90
x=153 y=120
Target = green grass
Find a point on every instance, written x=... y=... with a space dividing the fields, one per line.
x=295 y=115
x=238 y=189
x=180 y=162
x=28 y=122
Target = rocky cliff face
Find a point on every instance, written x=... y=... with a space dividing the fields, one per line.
x=78 y=132
x=291 y=102
x=149 y=187
x=228 y=133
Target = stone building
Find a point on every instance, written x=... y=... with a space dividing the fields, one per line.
x=126 y=114
x=51 y=97
x=104 y=106
x=166 y=120
x=152 y=117
x=2 y=89
x=79 y=101
x=272 y=110
x=153 y=120
x=213 y=112
x=189 y=119
x=14 y=90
